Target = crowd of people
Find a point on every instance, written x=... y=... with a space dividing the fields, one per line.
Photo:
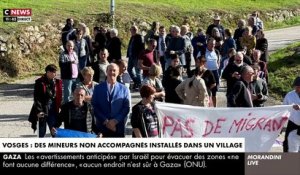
x=93 y=94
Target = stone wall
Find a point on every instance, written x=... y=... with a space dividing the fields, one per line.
x=281 y=15
x=28 y=44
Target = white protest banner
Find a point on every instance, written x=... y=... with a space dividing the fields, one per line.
x=259 y=126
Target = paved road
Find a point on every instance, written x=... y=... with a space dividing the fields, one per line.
x=282 y=37
x=16 y=98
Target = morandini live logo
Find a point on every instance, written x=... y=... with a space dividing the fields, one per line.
x=17 y=15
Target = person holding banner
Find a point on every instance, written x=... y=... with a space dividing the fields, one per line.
x=144 y=120
x=111 y=103
x=47 y=101
x=75 y=114
x=292 y=134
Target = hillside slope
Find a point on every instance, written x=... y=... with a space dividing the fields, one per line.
x=48 y=16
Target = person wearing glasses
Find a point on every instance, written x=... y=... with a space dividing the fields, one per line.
x=241 y=94
x=232 y=72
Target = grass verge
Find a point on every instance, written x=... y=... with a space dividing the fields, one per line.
x=284 y=67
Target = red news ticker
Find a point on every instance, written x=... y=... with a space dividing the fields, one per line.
x=17 y=12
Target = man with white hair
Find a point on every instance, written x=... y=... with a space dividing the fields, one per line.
x=114 y=46
x=232 y=71
x=111 y=103
x=241 y=93
x=135 y=47
x=176 y=46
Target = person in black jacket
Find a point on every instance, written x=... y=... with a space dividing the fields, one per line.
x=68 y=32
x=76 y=114
x=262 y=45
x=144 y=120
x=47 y=100
x=241 y=94
x=173 y=82
x=232 y=71
x=135 y=46
x=114 y=47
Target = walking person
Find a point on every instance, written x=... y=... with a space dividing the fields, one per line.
x=174 y=80
x=176 y=45
x=114 y=47
x=47 y=100
x=135 y=47
x=154 y=81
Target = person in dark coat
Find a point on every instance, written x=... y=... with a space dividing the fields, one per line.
x=76 y=114
x=135 y=47
x=47 y=100
x=241 y=94
x=262 y=45
x=173 y=82
x=114 y=47
x=232 y=72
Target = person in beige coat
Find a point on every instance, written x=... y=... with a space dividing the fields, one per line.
x=193 y=91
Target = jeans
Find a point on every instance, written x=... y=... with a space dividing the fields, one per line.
x=136 y=76
x=167 y=63
x=182 y=59
x=49 y=119
x=82 y=62
x=162 y=62
x=67 y=88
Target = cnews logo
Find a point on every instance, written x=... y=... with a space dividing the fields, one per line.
x=17 y=12
x=17 y=15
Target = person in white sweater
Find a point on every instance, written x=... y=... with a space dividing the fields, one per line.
x=193 y=90
x=292 y=134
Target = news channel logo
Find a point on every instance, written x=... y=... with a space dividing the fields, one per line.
x=17 y=15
